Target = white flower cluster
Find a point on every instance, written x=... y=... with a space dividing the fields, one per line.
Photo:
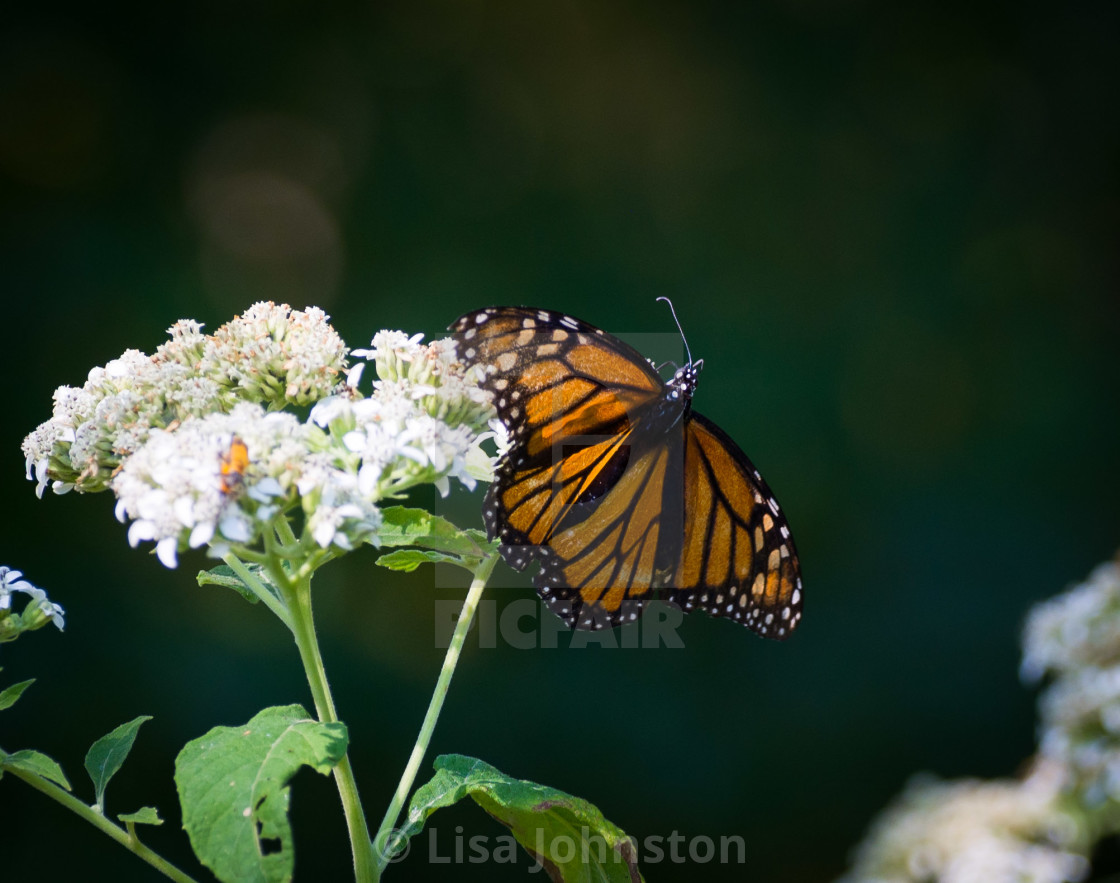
x=431 y=375
x=183 y=487
x=193 y=445
x=95 y=427
x=1075 y=639
x=423 y=423
x=973 y=832
x=38 y=611
x=272 y=354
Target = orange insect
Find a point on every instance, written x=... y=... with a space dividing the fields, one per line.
x=234 y=463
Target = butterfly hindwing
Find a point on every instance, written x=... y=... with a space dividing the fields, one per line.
x=737 y=559
x=603 y=565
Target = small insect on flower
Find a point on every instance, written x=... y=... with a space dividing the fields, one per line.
x=234 y=463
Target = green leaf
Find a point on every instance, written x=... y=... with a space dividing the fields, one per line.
x=402 y=526
x=147 y=815
x=37 y=764
x=409 y=559
x=10 y=694
x=224 y=575
x=108 y=753
x=566 y=834
x=232 y=786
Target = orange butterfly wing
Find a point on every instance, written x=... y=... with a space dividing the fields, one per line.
x=602 y=566
x=737 y=558
x=555 y=378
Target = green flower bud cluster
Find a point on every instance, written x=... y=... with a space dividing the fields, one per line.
x=277 y=356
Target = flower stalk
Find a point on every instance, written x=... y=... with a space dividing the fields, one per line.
x=297 y=596
x=435 y=706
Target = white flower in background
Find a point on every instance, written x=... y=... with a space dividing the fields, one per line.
x=11 y=581
x=1041 y=828
x=38 y=611
x=1075 y=639
x=188 y=345
x=1077 y=628
x=973 y=832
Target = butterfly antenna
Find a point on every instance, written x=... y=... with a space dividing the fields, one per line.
x=687 y=351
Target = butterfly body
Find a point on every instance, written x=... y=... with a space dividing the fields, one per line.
x=619 y=490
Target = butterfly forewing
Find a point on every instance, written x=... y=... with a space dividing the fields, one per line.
x=554 y=377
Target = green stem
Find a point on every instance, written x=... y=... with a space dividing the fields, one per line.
x=298 y=595
x=285 y=532
x=131 y=843
x=385 y=832
x=259 y=589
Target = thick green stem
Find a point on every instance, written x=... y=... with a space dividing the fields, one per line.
x=131 y=843
x=298 y=596
x=382 y=842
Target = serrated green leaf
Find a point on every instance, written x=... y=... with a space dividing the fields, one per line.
x=36 y=763
x=404 y=526
x=106 y=756
x=566 y=834
x=408 y=560
x=479 y=536
x=10 y=695
x=232 y=785
x=225 y=576
x=147 y=815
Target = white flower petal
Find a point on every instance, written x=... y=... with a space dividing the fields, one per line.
x=201 y=534
x=139 y=531
x=167 y=552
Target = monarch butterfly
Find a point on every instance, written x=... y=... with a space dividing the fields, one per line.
x=619 y=490
x=232 y=467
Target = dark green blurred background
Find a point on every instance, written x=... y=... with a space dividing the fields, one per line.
x=890 y=232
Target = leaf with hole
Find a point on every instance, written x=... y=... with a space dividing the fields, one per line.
x=233 y=787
